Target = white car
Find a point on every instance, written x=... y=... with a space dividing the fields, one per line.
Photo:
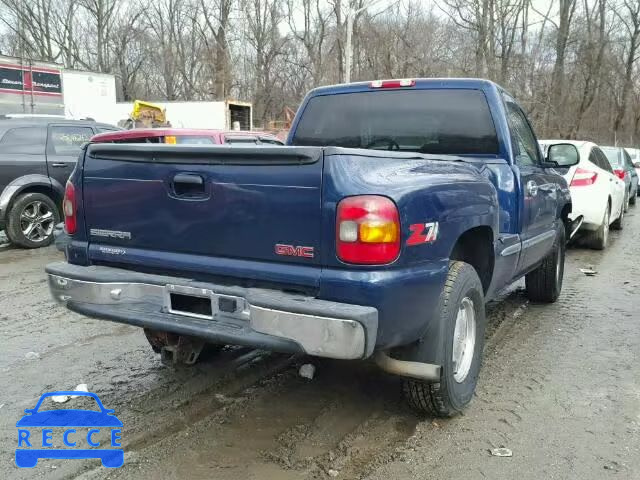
x=597 y=194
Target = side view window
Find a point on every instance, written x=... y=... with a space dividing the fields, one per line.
x=67 y=140
x=606 y=165
x=593 y=158
x=24 y=140
x=525 y=144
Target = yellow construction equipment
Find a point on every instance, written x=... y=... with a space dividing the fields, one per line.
x=145 y=115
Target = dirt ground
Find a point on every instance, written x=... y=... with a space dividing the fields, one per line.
x=560 y=387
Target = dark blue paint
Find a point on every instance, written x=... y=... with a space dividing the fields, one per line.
x=245 y=210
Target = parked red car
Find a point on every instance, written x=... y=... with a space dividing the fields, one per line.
x=186 y=136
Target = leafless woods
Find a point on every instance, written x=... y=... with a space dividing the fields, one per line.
x=573 y=64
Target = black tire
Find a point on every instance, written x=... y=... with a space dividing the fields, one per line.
x=626 y=201
x=619 y=223
x=449 y=396
x=632 y=199
x=599 y=239
x=544 y=284
x=36 y=210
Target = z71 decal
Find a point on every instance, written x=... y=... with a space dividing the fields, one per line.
x=422 y=233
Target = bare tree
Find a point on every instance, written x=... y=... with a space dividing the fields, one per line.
x=629 y=15
x=263 y=20
x=217 y=21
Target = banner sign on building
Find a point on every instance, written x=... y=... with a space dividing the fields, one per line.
x=22 y=81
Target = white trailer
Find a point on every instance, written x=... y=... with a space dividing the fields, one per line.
x=88 y=94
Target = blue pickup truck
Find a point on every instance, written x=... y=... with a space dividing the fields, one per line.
x=397 y=209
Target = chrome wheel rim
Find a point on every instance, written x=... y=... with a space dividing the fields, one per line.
x=606 y=226
x=464 y=340
x=37 y=221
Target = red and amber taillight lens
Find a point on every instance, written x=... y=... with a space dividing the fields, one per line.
x=367 y=230
x=620 y=173
x=69 y=209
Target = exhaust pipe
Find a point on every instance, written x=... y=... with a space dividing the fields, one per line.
x=418 y=370
x=575 y=225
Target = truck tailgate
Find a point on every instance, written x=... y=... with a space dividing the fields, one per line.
x=182 y=203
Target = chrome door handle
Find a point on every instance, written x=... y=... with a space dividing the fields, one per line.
x=532 y=188
x=59 y=165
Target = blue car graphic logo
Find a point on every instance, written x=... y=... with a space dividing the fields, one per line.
x=32 y=445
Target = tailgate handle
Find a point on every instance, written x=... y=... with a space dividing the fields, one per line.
x=188 y=178
x=188 y=185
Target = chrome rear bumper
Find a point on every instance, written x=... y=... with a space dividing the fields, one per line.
x=256 y=317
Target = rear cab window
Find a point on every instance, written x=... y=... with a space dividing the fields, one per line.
x=430 y=121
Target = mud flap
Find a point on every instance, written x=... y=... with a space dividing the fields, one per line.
x=429 y=348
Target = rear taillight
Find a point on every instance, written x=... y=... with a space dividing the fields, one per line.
x=405 y=82
x=620 y=173
x=367 y=230
x=584 y=177
x=69 y=208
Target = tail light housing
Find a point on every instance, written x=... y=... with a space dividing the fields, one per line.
x=367 y=230
x=584 y=177
x=69 y=209
x=620 y=173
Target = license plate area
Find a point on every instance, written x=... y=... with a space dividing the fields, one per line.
x=203 y=303
x=191 y=305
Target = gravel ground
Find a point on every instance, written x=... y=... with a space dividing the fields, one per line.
x=560 y=387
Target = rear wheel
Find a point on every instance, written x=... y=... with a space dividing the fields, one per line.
x=600 y=238
x=461 y=311
x=544 y=284
x=632 y=198
x=31 y=220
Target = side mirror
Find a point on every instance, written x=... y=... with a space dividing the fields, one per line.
x=563 y=155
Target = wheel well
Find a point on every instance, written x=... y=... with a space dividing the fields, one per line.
x=48 y=191
x=475 y=247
